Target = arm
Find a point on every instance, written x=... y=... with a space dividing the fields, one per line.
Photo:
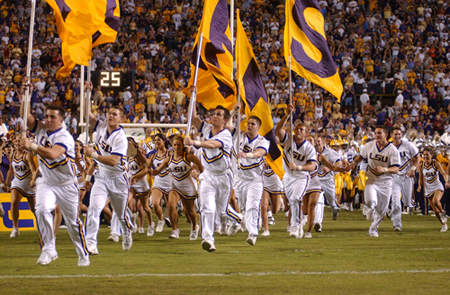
x=415 y=161
x=33 y=168
x=161 y=167
x=30 y=118
x=135 y=178
x=196 y=121
x=419 y=187
x=310 y=166
x=336 y=167
x=207 y=144
x=196 y=161
x=441 y=170
x=92 y=118
x=279 y=132
x=258 y=153
x=9 y=175
x=51 y=153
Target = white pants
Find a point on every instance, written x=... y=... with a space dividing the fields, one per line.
x=377 y=199
x=329 y=188
x=295 y=189
x=214 y=194
x=249 y=194
x=401 y=190
x=67 y=198
x=117 y=190
x=320 y=207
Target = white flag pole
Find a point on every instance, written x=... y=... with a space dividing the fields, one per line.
x=291 y=128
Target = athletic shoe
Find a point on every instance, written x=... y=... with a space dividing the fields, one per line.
x=345 y=207
x=335 y=213
x=369 y=214
x=151 y=230
x=350 y=207
x=405 y=212
x=294 y=231
x=194 y=234
x=233 y=229
x=92 y=249
x=308 y=235
x=175 y=234
x=286 y=215
x=83 y=261
x=15 y=233
x=251 y=240
x=318 y=227
x=167 y=221
x=134 y=220
x=160 y=226
x=389 y=214
x=63 y=227
x=271 y=220
x=223 y=230
x=114 y=238
x=288 y=228
x=208 y=246
x=127 y=242
x=266 y=233
x=443 y=217
x=300 y=232
x=397 y=228
x=2 y=211
x=46 y=257
x=373 y=234
x=444 y=228
x=141 y=230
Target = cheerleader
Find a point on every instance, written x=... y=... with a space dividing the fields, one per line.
x=273 y=190
x=140 y=190
x=23 y=168
x=163 y=181
x=81 y=164
x=434 y=190
x=183 y=187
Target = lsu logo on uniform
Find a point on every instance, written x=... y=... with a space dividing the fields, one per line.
x=247 y=149
x=299 y=157
x=378 y=157
x=180 y=169
x=402 y=154
x=430 y=174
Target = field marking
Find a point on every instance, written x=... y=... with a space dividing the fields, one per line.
x=376 y=272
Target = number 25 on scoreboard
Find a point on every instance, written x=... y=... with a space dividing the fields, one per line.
x=110 y=79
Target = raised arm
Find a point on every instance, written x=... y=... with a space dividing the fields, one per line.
x=30 y=118
x=279 y=131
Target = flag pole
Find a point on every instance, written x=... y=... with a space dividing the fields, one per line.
x=232 y=28
x=194 y=90
x=82 y=106
x=291 y=129
x=28 y=77
x=88 y=101
x=238 y=120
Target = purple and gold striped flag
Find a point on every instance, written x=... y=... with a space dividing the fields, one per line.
x=306 y=43
x=254 y=96
x=214 y=84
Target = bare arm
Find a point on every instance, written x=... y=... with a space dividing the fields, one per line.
x=419 y=187
x=258 y=153
x=161 y=167
x=196 y=161
x=441 y=170
x=50 y=153
x=30 y=119
x=10 y=173
x=33 y=168
x=336 y=167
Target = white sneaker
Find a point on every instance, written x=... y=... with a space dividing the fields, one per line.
x=294 y=231
x=114 y=238
x=175 y=234
x=83 y=261
x=350 y=207
x=397 y=228
x=92 y=249
x=194 y=233
x=243 y=228
x=271 y=220
x=127 y=242
x=335 y=213
x=300 y=232
x=160 y=226
x=286 y=214
x=208 y=246
x=345 y=207
x=15 y=233
x=266 y=233
x=141 y=230
x=251 y=240
x=308 y=235
x=443 y=217
x=46 y=257
x=223 y=230
x=373 y=234
x=444 y=228
x=318 y=227
x=151 y=230
x=167 y=221
x=369 y=214
x=288 y=228
x=134 y=220
x=233 y=229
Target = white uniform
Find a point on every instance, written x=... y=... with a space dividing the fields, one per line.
x=182 y=182
x=79 y=173
x=57 y=183
x=163 y=181
x=314 y=185
x=215 y=181
x=141 y=187
x=403 y=184
x=327 y=178
x=431 y=179
x=111 y=181
x=22 y=175
x=379 y=185
x=296 y=182
x=272 y=183
x=248 y=180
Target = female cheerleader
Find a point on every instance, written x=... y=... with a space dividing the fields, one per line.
x=273 y=189
x=183 y=187
x=434 y=190
x=81 y=164
x=23 y=168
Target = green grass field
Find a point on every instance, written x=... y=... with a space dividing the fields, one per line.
x=340 y=260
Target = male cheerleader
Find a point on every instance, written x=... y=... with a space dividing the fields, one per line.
x=403 y=180
x=111 y=147
x=383 y=161
x=215 y=181
x=58 y=183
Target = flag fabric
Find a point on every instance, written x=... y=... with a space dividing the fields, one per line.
x=214 y=84
x=83 y=24
x=305 y=42
x=254 y=96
